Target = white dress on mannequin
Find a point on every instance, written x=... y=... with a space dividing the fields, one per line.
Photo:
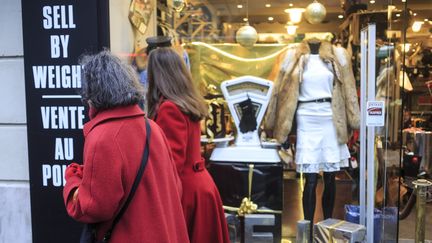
x=317 y=147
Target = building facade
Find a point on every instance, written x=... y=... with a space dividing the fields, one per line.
x=15 y=214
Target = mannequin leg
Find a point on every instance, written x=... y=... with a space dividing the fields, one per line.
x=329 y=193
x=309 y=196
x=309 y=199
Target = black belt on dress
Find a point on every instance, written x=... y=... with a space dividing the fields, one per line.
x=316 y=101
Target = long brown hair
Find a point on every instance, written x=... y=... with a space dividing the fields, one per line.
x=170 y=79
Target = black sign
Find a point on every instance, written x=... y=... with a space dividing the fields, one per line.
x=56 y=33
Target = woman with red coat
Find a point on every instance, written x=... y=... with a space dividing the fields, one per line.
x=176 y=106
x=114 y=145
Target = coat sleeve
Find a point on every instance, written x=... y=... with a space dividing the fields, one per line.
x=349 y=89
x=174 y=125
x=101 y=188
x=270 y=117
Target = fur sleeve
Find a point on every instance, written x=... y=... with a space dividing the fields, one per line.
x=349 y=88
x=270 y=117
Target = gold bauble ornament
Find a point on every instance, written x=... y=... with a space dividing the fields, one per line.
x=315 y=12
x=179 y=5
x=247 y=36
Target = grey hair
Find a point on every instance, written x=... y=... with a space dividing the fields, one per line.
x=107 y=82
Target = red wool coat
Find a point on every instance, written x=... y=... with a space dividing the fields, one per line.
x=202 y=205
x=114 y=143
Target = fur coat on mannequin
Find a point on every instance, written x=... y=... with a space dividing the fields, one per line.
x=283 y=103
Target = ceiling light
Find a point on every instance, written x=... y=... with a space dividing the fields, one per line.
x=426 y=20
x=372 y=1
x=268 y=5
x=416 y=26
x=295 y=14
x=239 y=6
x=270 y=18
x=245 y=19
x=403 y=1
x=414 y=14
x=291 y=4
x=397 y=15
x=291 y=29
x=340 y=16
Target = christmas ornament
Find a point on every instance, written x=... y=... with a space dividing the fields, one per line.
x=179 y=5
x=246 y=36
x=315 y=12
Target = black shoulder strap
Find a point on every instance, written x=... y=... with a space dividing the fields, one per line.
x=135 y=184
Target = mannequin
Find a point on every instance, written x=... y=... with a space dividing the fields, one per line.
x=323 y=100
x=309 y=197
x=309 y=193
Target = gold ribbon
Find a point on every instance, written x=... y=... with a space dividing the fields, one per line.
x=247 y=206
x=251 y=167
x=332 y=228
x=236 y=209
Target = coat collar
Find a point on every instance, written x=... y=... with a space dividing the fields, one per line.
x=325 y=50
x=301 y=54
x=114 y=113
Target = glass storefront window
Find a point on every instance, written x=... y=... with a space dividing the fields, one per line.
x=415 y=131
x=252 y=44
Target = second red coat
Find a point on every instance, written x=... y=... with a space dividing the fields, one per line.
x=202 y=205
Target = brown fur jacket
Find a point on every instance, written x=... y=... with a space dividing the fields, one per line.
x=283 y=103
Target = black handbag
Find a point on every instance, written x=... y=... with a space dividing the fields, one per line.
x=88 y=235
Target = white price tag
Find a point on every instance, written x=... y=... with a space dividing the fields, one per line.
x=375 y=113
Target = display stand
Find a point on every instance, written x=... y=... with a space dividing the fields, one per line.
x=247 y=147
x=254 y=168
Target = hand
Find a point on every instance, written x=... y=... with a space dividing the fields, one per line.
x=74 y=169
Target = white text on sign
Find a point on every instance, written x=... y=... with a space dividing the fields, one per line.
x=62 y=117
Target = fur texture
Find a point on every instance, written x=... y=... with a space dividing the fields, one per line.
x=283 y=104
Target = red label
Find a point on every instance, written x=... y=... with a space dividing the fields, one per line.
x=375 y=111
